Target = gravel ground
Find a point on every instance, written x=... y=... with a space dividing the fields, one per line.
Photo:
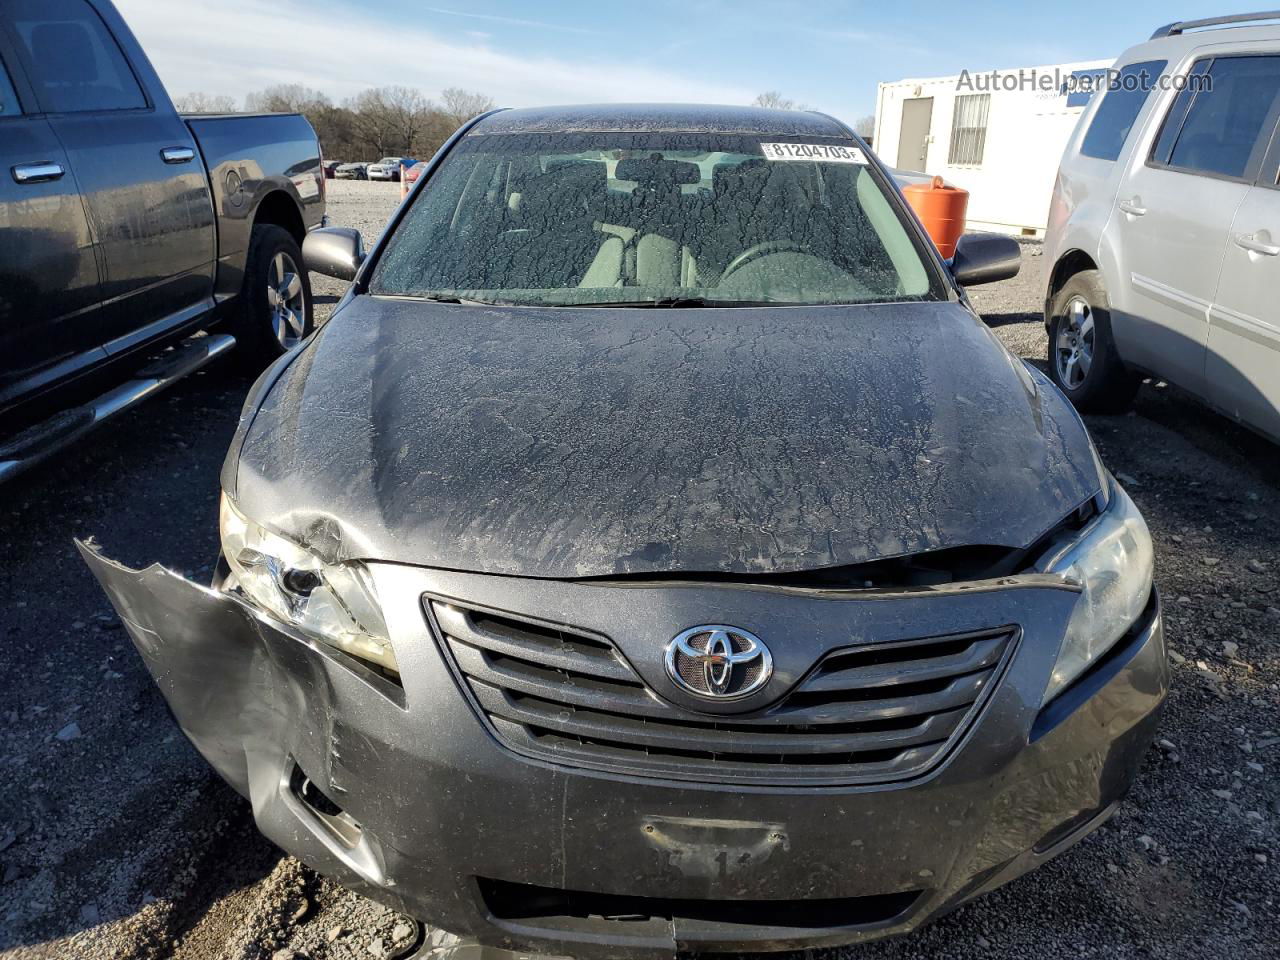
x=117 y=841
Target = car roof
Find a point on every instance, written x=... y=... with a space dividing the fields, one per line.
x=1170 y=45
x=661 y=118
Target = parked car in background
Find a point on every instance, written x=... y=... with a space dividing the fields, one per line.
x=655 y=550
x=126 y=228
x=388 y=168
x=1164 y=230
x=330 y=168
x=352 y=171
x=413 y=173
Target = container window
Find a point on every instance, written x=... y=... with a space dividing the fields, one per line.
x=969 y=129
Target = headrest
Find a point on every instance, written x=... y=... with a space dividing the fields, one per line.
x=575 y=187
x=64 y=49
x=724 y=174
x=657 y=170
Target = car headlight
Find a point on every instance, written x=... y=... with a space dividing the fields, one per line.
x=333 y=602
x=1113 y=561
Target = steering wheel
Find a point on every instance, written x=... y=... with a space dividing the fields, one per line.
x=761 y=250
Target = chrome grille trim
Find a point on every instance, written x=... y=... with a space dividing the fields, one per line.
x=870 y=713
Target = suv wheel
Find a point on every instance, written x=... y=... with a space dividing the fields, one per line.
x=275 y=302
x=1083 y=360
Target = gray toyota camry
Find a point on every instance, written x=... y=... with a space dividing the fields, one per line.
x=656 y=552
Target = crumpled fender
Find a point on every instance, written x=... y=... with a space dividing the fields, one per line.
x=203 y=649
x=234 y=680
x=206 y=652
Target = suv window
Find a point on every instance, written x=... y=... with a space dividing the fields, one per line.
x=73 y=61
x=1215 y=128
x=8 y=96
x=1125 y=94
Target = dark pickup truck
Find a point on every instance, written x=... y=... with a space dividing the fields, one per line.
x=135 y=244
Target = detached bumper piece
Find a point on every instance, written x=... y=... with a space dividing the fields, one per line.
x=522 y=785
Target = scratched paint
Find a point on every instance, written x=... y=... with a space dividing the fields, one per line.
x=571 y=443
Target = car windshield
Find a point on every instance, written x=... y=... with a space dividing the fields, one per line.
x=671 y=219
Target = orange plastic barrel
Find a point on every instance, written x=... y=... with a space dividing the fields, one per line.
x=941 y=208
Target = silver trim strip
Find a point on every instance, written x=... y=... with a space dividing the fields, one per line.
x=1163 y=293
x=1243 y=325
x=117 y=400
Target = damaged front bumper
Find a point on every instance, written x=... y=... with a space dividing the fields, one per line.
x=404 y=791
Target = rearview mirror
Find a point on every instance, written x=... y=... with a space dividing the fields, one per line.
x=333 y=251
x=985 y=258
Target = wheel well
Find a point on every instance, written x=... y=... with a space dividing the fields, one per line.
x=279 y=208
x=1068 y=265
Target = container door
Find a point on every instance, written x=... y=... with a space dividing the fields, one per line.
x=913 y=135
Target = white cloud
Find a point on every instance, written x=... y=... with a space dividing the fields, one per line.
x=513 y=21
x=237 y=46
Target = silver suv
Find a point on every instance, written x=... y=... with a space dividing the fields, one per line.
x=1164 y=231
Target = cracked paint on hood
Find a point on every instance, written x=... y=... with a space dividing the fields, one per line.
x=596 y=441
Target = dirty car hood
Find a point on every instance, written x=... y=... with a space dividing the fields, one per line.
x=591 y=442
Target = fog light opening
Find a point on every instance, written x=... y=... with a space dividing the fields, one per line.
x=300 y=583
x=344 y=827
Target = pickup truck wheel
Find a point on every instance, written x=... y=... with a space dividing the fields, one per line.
x=275 y=310
x=1083 y=360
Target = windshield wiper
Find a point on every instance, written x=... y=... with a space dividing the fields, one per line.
x=444 y=298
x=673 y=302
x=451 y=298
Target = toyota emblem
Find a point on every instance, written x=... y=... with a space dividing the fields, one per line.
x=716 y=662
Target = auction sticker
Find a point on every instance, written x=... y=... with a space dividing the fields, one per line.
x=831 y=153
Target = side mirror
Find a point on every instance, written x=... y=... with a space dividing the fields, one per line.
x=333 y=251
x=985 y=258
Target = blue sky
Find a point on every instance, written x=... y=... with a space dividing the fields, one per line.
x=825 y=53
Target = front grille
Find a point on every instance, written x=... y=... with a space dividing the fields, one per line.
x=521 y=901
x=864 y=714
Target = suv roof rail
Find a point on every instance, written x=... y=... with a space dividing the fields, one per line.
x=1181 y=26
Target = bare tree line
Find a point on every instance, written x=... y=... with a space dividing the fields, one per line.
x=774 y=100
x=205 y=103
x=379 y=122
x=395 y=120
